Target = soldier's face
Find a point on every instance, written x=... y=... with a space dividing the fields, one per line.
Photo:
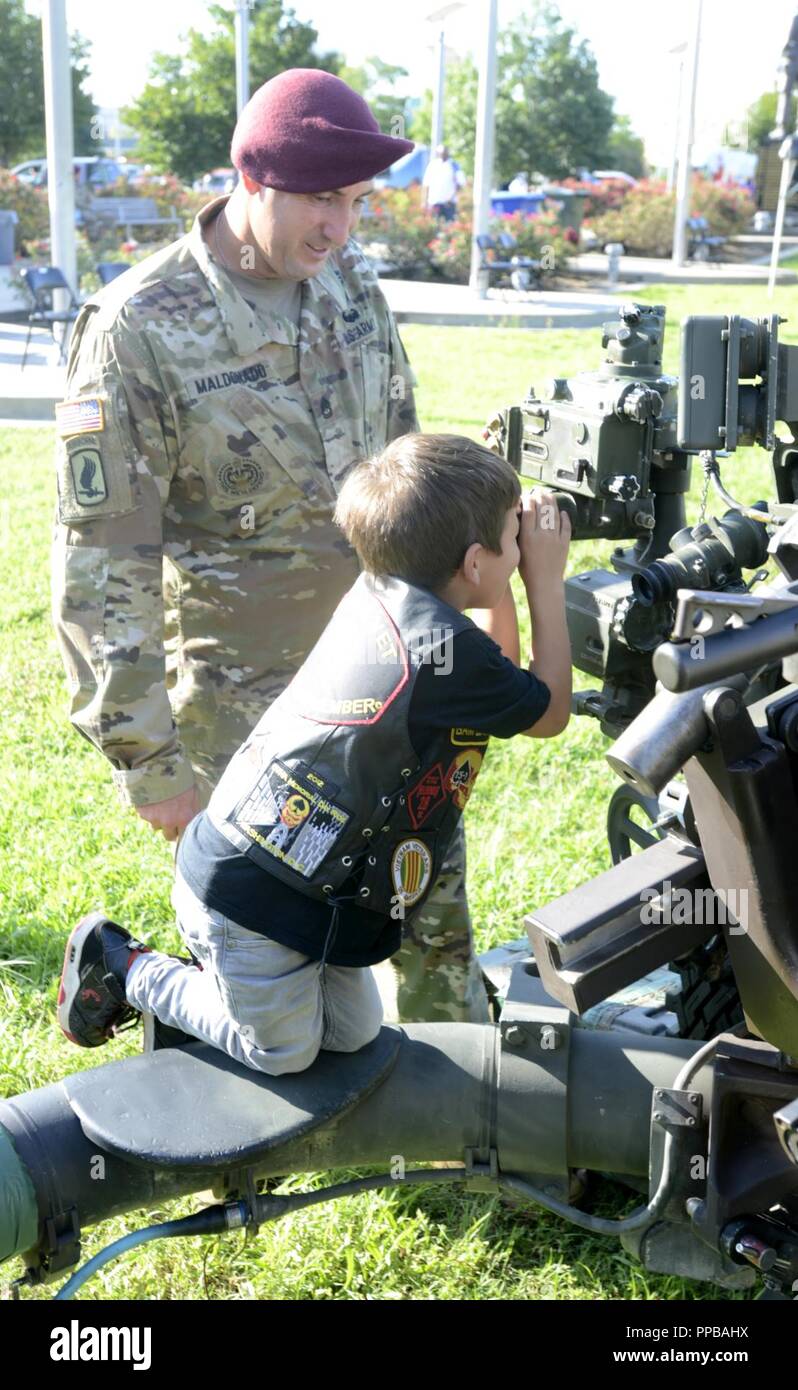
x=297 y=231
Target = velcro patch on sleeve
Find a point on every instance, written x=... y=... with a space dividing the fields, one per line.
x=83 y=415
x=94 y=460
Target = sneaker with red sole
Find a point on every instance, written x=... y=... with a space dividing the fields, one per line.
x=92 y=1004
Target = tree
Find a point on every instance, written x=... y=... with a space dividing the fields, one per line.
x=186 y=113
x=390 y=110
x=552 y=117
x=625 y=150
x=760 y=118
x=22 y=130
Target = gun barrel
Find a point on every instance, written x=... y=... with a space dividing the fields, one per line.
x=658 y=743
x=682 y=666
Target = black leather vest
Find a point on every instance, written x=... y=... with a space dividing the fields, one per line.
x=328 y=793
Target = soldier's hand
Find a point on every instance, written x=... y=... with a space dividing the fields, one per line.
x=172 y=816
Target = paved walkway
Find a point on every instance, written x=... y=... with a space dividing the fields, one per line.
x=648 y=269
x=418 y=301
x=31 y=395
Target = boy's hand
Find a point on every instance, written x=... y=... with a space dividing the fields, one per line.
x=543 y=539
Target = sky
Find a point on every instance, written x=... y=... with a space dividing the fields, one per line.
x=630 y=39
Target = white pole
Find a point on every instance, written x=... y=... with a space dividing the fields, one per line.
x=59 y=143
x=437 y=99
x=483 y=154
x=674 y=164
x=242 y=54
x=685 y=154
x=787 y=153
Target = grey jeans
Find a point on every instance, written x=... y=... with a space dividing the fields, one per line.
x=268 y=1006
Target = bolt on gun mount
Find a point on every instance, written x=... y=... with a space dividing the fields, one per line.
x=616 y=446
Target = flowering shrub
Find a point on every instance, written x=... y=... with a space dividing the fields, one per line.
x=399 y=221
x=419 y=246
x=598 y=197
x=726 y=206
x=451 y=249
x=30 y=205
x=644 y=220
x=90 y=253
x=540 y=237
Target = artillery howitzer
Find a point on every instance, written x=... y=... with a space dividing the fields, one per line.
x=704 y=1127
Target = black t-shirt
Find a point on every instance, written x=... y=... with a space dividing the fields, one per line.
x=482 y=690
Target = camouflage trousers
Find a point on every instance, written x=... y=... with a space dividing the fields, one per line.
x=437 y=973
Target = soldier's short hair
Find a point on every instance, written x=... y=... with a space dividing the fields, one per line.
x=413 y=510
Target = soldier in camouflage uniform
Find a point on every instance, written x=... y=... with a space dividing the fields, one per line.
x=200 y=450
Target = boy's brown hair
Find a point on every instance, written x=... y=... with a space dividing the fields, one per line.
x=413 y=510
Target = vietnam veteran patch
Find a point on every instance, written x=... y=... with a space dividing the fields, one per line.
x=84 y=415
x=411 y=871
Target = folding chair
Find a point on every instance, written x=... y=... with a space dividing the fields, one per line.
x=41 y=281
x=109 y=270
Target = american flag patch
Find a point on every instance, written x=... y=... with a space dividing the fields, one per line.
x=83 y=416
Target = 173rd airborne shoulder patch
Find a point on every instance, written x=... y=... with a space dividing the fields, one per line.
x=93 y=477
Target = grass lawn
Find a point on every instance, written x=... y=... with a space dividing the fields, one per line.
x=535 y=829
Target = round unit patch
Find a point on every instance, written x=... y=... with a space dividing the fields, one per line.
x=238 y=477
x=411 y=870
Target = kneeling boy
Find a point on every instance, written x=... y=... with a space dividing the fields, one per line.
x=330 y=823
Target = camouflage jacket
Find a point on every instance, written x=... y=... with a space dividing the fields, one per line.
x=199 y=455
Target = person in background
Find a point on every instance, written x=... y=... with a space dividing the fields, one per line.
x=441 y=182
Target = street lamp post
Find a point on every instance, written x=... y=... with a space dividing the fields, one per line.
x=242 y=54
x=680 y=49
x=483 y=155
x=685 y=153
x=59 y=145
x=438 y=17
x=437 y=95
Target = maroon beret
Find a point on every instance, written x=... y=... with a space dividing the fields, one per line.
x=306 y=131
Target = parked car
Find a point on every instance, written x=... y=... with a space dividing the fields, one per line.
x=28 y=171
x=90 y=172
x=217 y=182
x=601 y=174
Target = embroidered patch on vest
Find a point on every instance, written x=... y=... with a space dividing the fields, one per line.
x=411 y=870
x=468 y=738
x=426 y=795
x=462 y=775
x=290 y=813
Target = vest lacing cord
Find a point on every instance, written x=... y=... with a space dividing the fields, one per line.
x=332 y=931
x=357 y=861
